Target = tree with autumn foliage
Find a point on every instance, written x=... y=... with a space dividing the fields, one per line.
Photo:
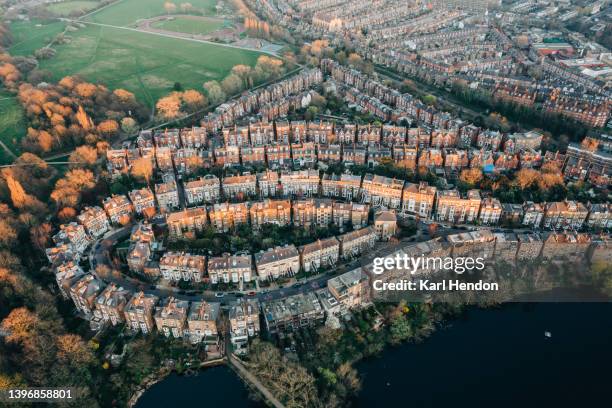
x=68 y=190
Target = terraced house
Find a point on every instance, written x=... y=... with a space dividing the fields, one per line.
x=267 y=183
x=240 y=187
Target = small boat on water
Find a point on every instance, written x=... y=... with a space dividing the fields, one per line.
x=547 y=334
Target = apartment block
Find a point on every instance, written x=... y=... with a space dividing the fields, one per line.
x=323 y=212
x=418 y=199
x=302 y=183
x=176 y=266
x=167 y=195
x=351 y=289
x=202 y=322
x=110 y=304
x=244 y=321
x=451 y=207
x=171 y=317
x=360 y=214
x=240 y=187
x=385 y=224
x=382 y=191
x=565 y=215
x=292 y=313
x=94 y=220
x=206 y=189
x=276 y=262
x=354 y=243
x=143 y=201
x=66 y=273
x=276 y=212
x=84 y=292
x=226 y=216
x=74 y=236
x=187 y=223
x=139 y=253
x=139 y=312
x=321 y=253
x=230 y=268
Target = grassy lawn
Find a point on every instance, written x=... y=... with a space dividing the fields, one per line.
x=67 y=7
x=145 y=64
x=12 y=125
x=189 y=25
x=128 y=12
x=30 y=36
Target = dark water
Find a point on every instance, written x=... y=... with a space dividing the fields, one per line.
x=501 y=358
x=487 y=358
x=212 y=387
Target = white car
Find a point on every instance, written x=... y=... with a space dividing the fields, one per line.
x=219 y=294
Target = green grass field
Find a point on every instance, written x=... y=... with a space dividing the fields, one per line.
x=12 y=125
x=30 y=36
x=189 y=25
x=143 y=63
x=67 y=7
x=128 y=12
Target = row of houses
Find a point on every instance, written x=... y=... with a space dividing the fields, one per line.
x=270 y=264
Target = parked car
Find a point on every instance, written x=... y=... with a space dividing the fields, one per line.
x=219 y=294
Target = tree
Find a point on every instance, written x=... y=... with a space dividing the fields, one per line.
x=68 y=190
x=20 y=325
x=169 y=7
x=84 y=156
x=73 y=350
x=129 y=125
x=471 y=176
x=169 y=107
x=526 y=178
x=193 y=100
x=231 y=84
x=108 y=127
x=142 y=168
x=214 y=92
